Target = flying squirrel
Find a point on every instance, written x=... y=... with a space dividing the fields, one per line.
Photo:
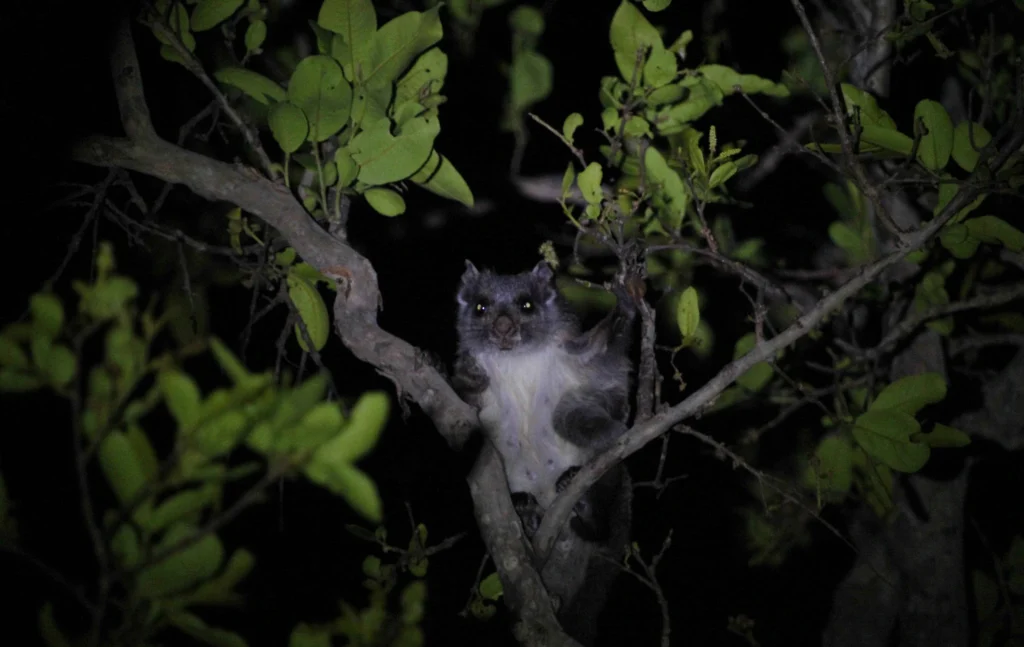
x=550 y=398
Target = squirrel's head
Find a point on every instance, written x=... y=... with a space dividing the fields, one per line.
x=510 y=312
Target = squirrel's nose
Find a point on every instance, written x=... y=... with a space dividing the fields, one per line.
x=503 y=325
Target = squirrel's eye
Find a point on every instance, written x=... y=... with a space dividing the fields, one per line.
x=480 y=308
x=526 y=305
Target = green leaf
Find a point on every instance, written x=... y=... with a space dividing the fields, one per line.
x=47 y=314
x=679 y=45
x=370 y=107
x=339 y=49
x=181 y=395
x=490 y=587
x=356 y=21
x=886 y=138
x=722 y=174
x=299 y=401
x=384 y=158
x=311 y=308
x=441 y=178
x=360 y=434
x=937 y=143
x=220 y=434
x=660 y=68
x=12 y=381
x=318 y=87
x=990 y=229
x=589 y=182
x=330 y=174
x=885 y=434
x=666 y=94
x=108 y=298
x=252 y=83
x=51 y=634
x=61 y=365
x=183 y=568
x=931 y=292
x=11 y=353
x=305 y=635
x=347 y=167
x=424 y=79
x=569 y=126
x=656 y=5
x=877 y=484
x=289 y=125
x=864 y=109
x=125 y=351
x=704 y=95
x=630 y=33
x=195 y=627
x=527 y=20
x=758 y=376
x=637 y=126
x=121 y=467
x=727 y=79
x=210 y=13
x=692 y=150
x=414 y=598
x=834 y=469
x=529 y=80
x=40 y=346
x=669 y=186
x=187 y=503
x=255 y=34
x=399 y=42
x=958 y=240
x=749 y=251
x=386 y=202
x=320 y=424
x=229 y=363
x=567 y=180
x=219 y=589
x=124 y=546
x=356 y=487
x=844 y=236
x=965 y=153
x=943 y=436
x=688 y=313
x=910 y=394
x=143 y=451
x=948 y=189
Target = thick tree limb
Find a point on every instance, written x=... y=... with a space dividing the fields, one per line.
x=131 y=98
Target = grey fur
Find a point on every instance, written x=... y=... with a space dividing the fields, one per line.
x=551 y=398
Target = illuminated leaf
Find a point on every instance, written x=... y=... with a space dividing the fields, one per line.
x=210 y=13
x=288 y=124
x=386 y=202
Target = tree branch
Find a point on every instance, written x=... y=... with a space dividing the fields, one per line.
x=558 y=514
x=909 y=325
x=355 y=309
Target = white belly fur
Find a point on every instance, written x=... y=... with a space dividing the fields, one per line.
x=516 y=411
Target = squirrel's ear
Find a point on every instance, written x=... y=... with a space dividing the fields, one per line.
x=468 y=277
x=543 y=272
x=545 y=276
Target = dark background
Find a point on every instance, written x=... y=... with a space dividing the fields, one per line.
x=56 y=87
